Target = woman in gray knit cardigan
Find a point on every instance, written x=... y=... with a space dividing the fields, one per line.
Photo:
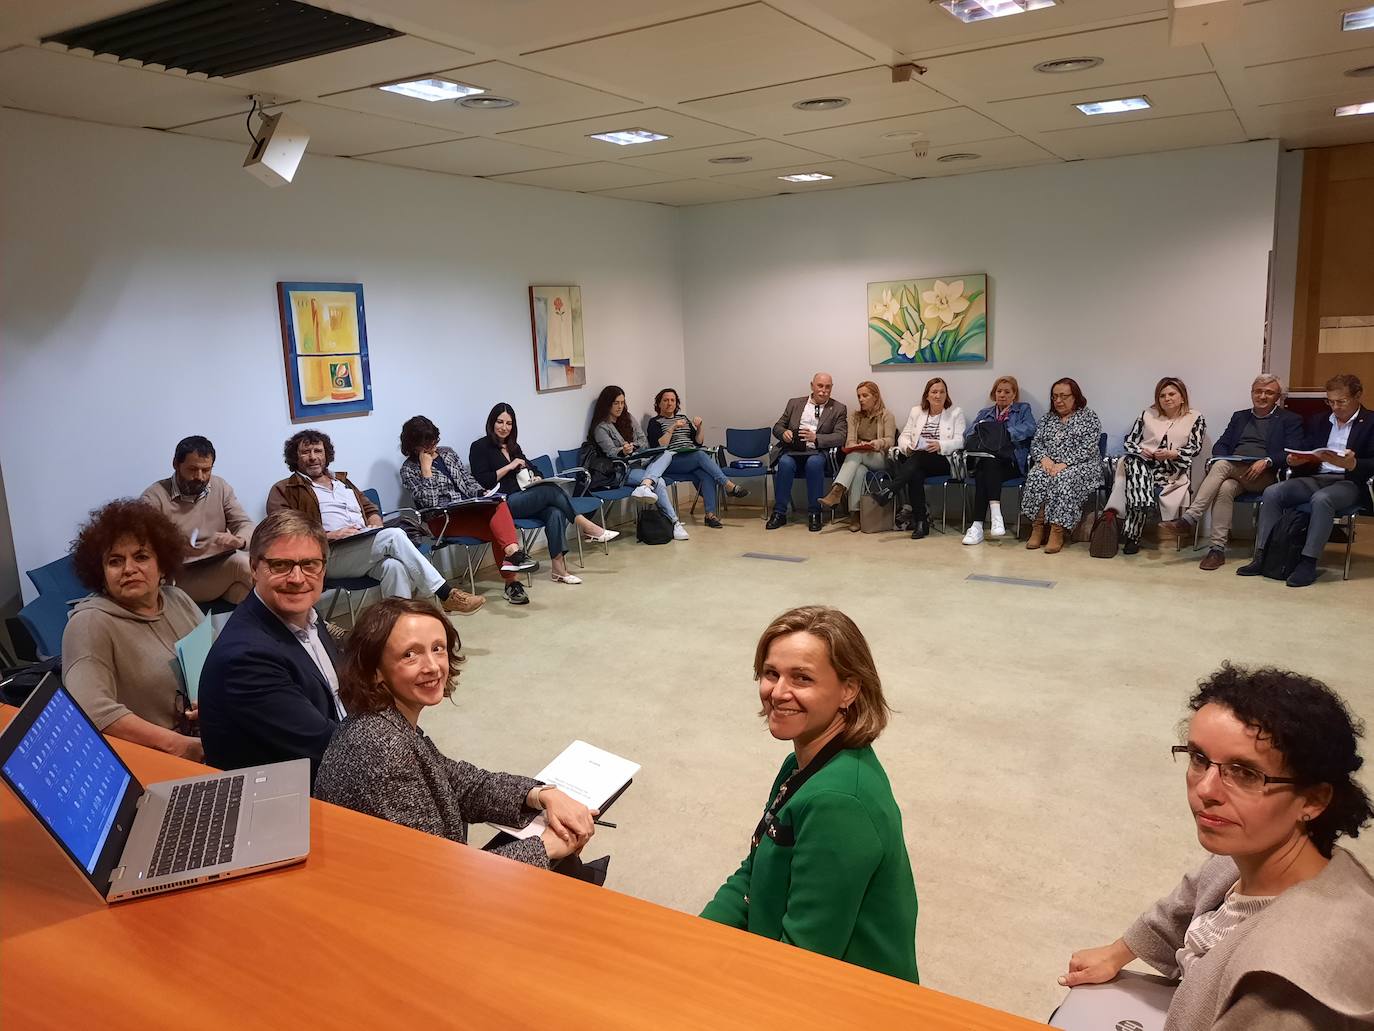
x=1275 y=932
x=402 y=657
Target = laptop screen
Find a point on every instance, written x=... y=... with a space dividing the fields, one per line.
x=69 y=777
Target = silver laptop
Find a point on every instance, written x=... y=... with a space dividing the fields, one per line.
x=1130 y=1002
x=130 y=840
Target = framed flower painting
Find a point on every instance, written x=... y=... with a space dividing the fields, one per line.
x=928 y=321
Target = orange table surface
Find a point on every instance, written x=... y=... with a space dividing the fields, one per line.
x=384 y=926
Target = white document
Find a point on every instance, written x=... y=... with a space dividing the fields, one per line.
x=1320 y=452
x=584 y=772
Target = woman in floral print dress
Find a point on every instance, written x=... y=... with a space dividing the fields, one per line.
x=1065 y=466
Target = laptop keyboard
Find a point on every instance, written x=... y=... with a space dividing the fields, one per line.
x=198 y=827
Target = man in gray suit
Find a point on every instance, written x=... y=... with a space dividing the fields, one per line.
x=809 y=427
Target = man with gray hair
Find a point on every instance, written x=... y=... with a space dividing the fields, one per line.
x=1245 y=459
x=808 y=427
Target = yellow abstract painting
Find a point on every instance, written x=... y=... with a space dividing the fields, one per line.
x=324 y=337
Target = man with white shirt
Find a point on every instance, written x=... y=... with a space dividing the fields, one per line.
x=345 y=512
x=269 y=690
x=1330 y=475
x=809 y=427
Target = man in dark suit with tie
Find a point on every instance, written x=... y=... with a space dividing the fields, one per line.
x=269 y=690
x=809 y=427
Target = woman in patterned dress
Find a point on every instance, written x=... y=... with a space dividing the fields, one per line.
x=1065 y=457
x=1159 y=456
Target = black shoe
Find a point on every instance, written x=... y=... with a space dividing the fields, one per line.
x=518 y=562
x=1255 y=567
x=714 y=522
x=776 y=520
x=921 y=528
x=1305 y=575
x=1130 y=548
x=515 y=593
x=883 y=495
x=737 y=492
x=814 y=522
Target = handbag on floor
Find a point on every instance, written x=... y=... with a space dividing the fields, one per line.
x=876 y=517
x=1106 y=535
x=1284 y=550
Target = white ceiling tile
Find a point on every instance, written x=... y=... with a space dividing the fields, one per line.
x=595 y=175
x=871 y=93
x=844 y=174
x=762 y=154
x=953 y=125
x=331 y=131
x=1281 y=30
x=922 y=28
x=573 y=137
x=722 y=52
x=1100 y=141
x=1007 y=152
x=57 y=83
x=1130 y=53
x=473 y=156
x=387 y=60
x=1309 y=77
x=543 y=100
x=1186 y=95
x=1313 y=123
x=683 y=192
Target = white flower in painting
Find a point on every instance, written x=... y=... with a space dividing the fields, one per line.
x=888 y=308
x=910 y=345
x=944 y=301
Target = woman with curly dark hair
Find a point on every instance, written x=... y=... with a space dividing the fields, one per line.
x=401 y=659
x=119 y=647
x=1273 y=931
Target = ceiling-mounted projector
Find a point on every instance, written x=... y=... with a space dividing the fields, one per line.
x=277 y=150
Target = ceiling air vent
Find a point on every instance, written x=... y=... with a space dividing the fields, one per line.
x=222 y=37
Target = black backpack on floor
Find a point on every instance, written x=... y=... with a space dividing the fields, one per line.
x=1284 y=550
x=652 y=526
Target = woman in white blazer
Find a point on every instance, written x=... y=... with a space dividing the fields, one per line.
x=934 y=430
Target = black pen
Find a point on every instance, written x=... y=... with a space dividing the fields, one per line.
x=604 y=823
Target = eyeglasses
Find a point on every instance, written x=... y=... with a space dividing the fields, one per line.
x=283 y=566
x=1233 y=775
x=1334 y=402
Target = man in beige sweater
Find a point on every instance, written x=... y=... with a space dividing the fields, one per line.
x=204 y=507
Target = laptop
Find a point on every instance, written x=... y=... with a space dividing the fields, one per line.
x=129 y=840
x=1130 y=1002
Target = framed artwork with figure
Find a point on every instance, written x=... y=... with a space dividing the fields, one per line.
x=324 y=344
x=560 y=357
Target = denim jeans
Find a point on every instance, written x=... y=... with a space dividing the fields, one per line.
x=547 y=503
x=701 y=468
x=813 y=468
x=654 y=471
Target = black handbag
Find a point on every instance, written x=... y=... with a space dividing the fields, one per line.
x=990 y=437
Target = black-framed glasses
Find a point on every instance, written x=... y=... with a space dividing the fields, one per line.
x=1233 y=775
x=283 y=566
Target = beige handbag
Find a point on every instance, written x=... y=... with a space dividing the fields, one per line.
x=875 y=517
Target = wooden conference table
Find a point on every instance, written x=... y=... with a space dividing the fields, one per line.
x=383 y=926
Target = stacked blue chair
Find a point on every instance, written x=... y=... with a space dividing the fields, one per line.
x=45 y=618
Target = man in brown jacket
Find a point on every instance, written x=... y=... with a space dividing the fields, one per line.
x=331 y=499
x=205 y=509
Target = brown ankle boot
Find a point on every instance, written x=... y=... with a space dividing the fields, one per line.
x=1037 y=535
x=1056 y=543
x=835 y=496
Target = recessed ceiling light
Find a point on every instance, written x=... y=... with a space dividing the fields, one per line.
x=1068 y=64
x=1367 y=108
x=1114 y=107
x=805 y=177
x=1361 y=73
x=821 y=103
x=487 y=102
x=1362 y=18
x=904 y=134
x=731 y=159
x=626 y=137
x=981 y=10
x=433 y=89
x=959 y=157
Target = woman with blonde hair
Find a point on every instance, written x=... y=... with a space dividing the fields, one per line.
x=1155 y=473
x=871 y=433
x=827 y=868
x=997 y=452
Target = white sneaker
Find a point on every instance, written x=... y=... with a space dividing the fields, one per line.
x=645 y=493
x=999 y=528
x=975 y=533
x=680 y=532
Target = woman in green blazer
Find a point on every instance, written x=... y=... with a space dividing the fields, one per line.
x=827 y=868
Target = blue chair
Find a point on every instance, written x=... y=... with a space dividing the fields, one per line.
x=570 y=459
x=58 y=578
x=749 y=445
x=348 y=584
x=584 y=506
x=958 y=476
x=45 y=619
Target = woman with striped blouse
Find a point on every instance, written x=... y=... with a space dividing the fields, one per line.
x=682 y=435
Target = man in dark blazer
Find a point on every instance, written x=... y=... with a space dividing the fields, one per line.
x=1245 y=459
x=809 y=427
x=269 y=690
x=1334 y=476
